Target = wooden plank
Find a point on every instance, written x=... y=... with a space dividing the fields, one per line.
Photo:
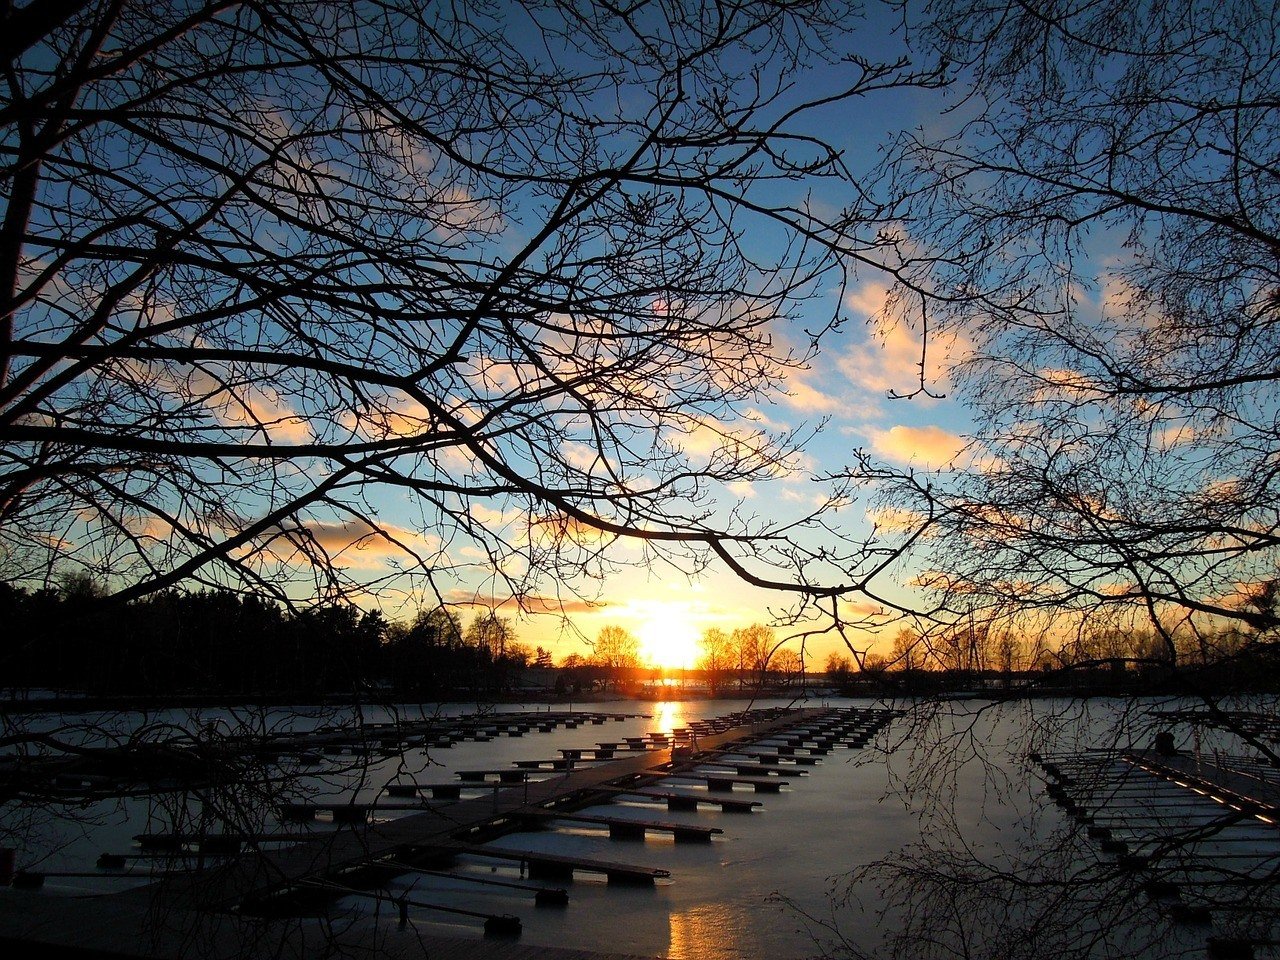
x=548 y=866
x=504 y=774
x=452 y=791
x=766 y=757
x=558 y=763
x=625 y=828
x=748 y=769
x=689 y=801
x=1252 y=794
x=726 y=782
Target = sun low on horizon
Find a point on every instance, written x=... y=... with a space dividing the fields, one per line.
x=668 y=637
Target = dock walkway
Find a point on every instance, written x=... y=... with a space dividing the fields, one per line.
x=226 y=909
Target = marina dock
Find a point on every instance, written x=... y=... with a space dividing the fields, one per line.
x=261 y=891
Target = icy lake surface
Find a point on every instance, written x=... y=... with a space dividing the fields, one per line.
x=962 y=772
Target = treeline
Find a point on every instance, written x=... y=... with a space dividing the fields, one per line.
x=217 y=642
x=748 y=657
x=1097 y=658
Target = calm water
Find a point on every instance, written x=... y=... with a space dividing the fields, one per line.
x=959 y=778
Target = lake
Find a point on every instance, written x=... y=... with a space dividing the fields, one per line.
x=948 y=783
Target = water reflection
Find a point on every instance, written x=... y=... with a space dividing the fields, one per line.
x=670 y=714
x=706 y=931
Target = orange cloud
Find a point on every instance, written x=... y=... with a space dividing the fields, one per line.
x=529 y=604
x=235 y=404
x=862 y=609
x=264 y=410
x=896 y=519
x=356 y=543
x=808 y=398
x=561 y=528
x=891 y=361
x=709 y=438
x=926 y=446
x=388 y=418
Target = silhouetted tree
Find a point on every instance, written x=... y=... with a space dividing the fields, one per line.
x=1101 y=240
x=489 y=634
x=752 y=648
x=1092 y=233
x=267 y=267
x=717 y=657
x=615 y=651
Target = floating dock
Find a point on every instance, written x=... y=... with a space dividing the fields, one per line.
x=1199 y=836
x=258 y=893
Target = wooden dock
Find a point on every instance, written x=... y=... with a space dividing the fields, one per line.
x=1200 y=836
x=258 y=904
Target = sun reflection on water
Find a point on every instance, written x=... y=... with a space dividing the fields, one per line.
x=668 y=715
x=708 y=930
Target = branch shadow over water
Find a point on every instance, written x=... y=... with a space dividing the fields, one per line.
x=1042 y=833
x=964 y=829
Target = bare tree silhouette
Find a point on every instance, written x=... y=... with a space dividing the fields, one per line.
x=1092 y=229
x=1096 y=237
x=271 y=268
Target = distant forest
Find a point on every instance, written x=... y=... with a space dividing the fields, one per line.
x=214 y=642
x=221 y=643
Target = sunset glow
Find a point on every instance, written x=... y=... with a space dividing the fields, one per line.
x=667 y=637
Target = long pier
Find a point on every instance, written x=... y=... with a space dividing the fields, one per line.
x=1199 y=836
x=258 y=902
x=468 y=820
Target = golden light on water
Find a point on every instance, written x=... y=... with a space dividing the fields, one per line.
x=705 y=932
x=669 y=715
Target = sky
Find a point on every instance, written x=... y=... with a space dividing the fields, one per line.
x=846 y=392
x=477 y=287
x=844 y=395
x=847 y=388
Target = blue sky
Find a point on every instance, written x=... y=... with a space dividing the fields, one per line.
x=845 y=394
x=842 y=397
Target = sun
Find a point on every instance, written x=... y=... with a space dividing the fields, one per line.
x=668 y=638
